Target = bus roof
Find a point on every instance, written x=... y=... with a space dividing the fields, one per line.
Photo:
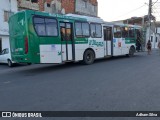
x=122 y=25
x=61 y=16
x=88 y=18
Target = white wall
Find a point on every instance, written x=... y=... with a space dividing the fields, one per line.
x=154 y=35
x=154 y=42
x=6 y=5
x=86 y=9
x=5 y=42
x=158 y=30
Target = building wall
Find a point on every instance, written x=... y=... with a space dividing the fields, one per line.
x=158 y=30
x=154 y=37
x=5 y=42
x=87 y=7
x=52 y=6
x=84 y=7
x=8 y=6
x=28 y=4
x=68 y=6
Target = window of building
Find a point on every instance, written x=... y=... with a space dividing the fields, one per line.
x=156 y=30
x=156 y=39
x=82 y=29
x=85 y=2
x=151 y=38
x=95 y=8
x=45 y=26
x=48 y=5
x=96 y=30
x=7 y=14
x=117 y=32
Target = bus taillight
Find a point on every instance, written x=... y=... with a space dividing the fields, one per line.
x=26 y=45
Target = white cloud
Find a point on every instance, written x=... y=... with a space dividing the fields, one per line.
x=112 y=10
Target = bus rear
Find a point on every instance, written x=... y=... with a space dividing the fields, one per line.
x=19 y=39
x=18 y=36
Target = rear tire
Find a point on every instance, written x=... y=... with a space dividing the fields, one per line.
x=10 y=64
x=88 y=57
x=29 y=63
x=131 y=52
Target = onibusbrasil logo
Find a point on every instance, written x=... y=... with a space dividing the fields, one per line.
x=20 y=114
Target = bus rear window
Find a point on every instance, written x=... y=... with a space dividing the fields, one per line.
x=45 y=26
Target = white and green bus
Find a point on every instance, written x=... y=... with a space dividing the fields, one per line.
x=38 y=37
x=121 y=39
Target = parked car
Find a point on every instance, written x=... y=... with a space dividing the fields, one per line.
x=5 y=57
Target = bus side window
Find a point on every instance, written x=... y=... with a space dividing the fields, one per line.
x=117 y=32
x=82 y=29
x=39 y=24
x=93 y=30
x=85 y=29
x=45 y=26
x=78 y=28
x=96 y=30
x=107 y=33
x=131 y=32
x=124 y=32
x=51 y=27
x=63 y=34
x=68 y=32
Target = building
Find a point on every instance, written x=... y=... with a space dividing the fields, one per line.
x=51 y=6
x=7 y=8
x=82 y=7
x=153 y=34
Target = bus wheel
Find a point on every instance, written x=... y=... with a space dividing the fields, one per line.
x=88 y=57
x=10 y=63
x=29 y=63
x=131 y=52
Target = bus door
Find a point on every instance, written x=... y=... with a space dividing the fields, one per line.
x=117 y=41
x=108 y=40
x=66 y=31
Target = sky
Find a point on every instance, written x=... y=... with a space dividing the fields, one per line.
x=113 y=10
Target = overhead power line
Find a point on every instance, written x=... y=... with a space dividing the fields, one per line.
x=131 y=11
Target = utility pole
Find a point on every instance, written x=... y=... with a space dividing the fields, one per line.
x=150 y=17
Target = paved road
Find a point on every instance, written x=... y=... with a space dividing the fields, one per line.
x=117 y=84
